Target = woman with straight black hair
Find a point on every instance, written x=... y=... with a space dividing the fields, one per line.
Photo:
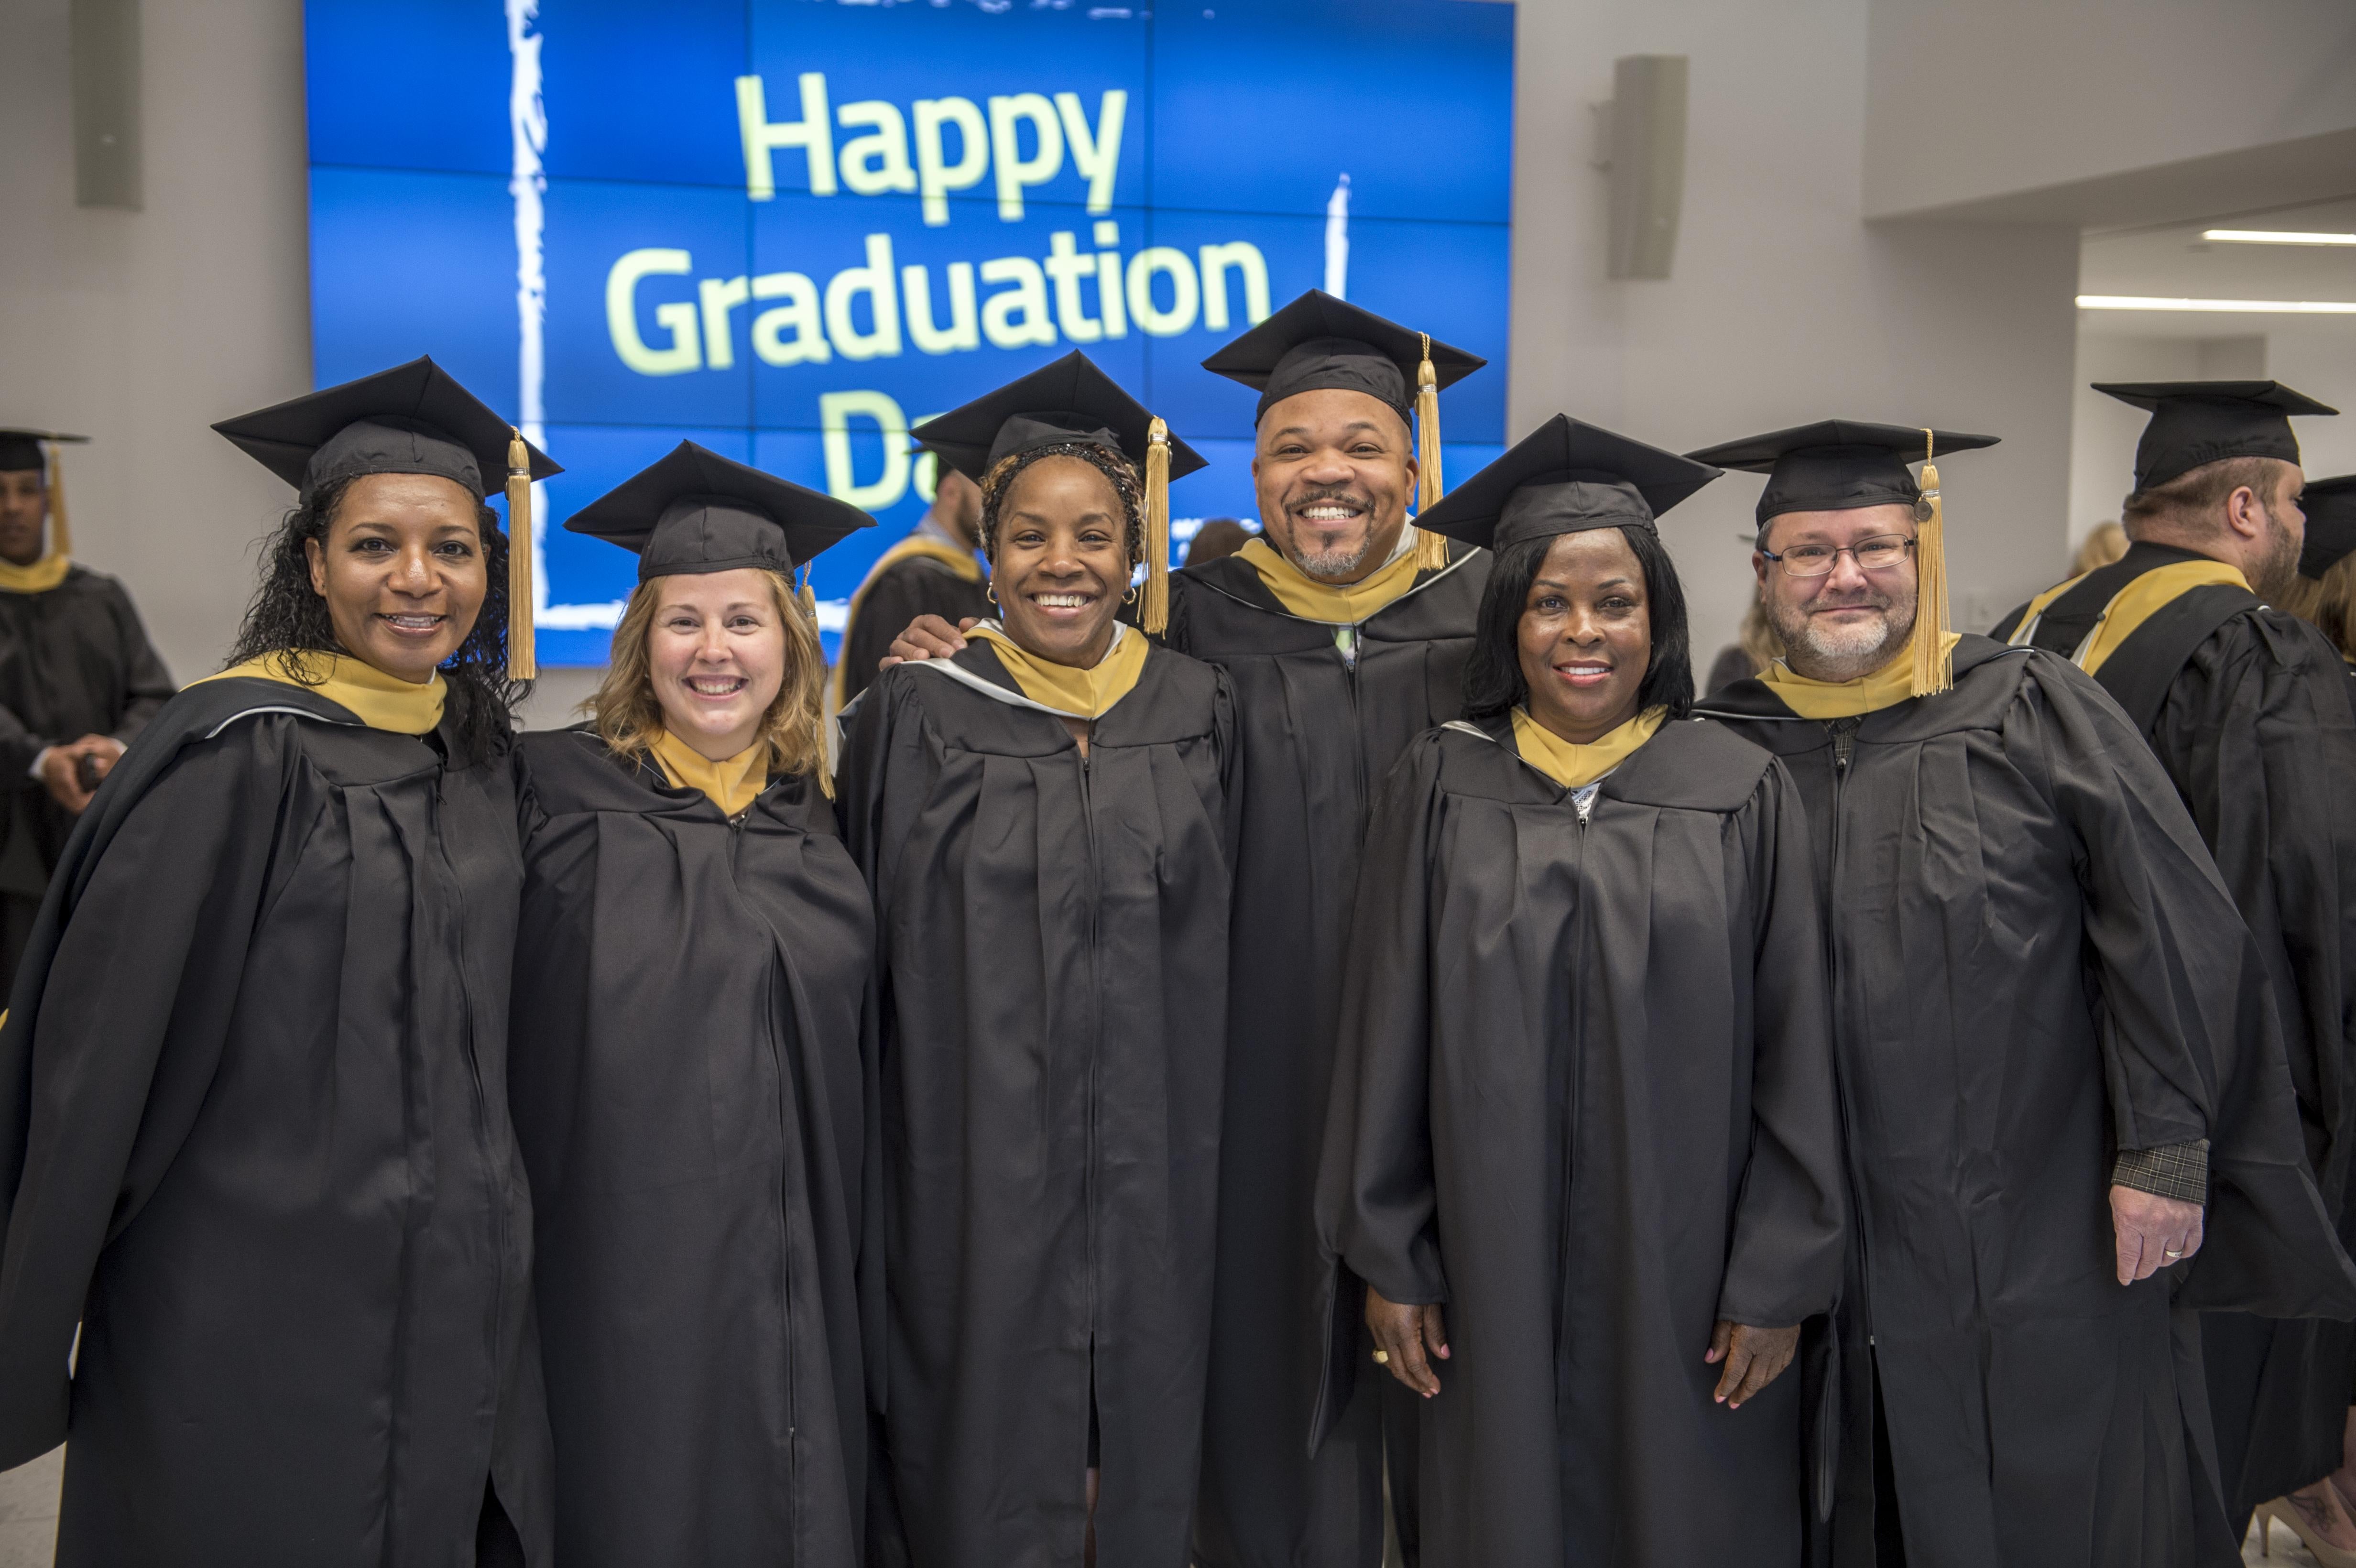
x=1580 y=1172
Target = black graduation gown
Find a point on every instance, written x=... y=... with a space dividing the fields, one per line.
x=917 y=585
x=1054 y=939
x=2255 y=728
x=254 y=1134
x=1323 y=731
x=2034 y=966
x=74 y=661
x=689 y=1068
x=1585 y=1098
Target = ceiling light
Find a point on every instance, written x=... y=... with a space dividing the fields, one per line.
x=2275 y=236
x=2245 y=308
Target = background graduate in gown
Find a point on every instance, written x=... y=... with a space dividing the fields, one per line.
x=1344 y=633
x=2245 y=706
x=78 y=679
x=253 y=1077
x=691 y=1064
x=1047 y=821
x=1585 y=1095
x=2048 y=1025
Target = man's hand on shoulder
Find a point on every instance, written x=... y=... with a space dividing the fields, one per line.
x=929 y=637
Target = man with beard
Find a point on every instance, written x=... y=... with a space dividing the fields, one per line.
x=1344 y=632
x=936 y=571
x=2055 y=1042
x=77 y=679
x=2247 y=709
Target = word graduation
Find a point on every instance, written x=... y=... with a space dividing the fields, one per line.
x=874 y=309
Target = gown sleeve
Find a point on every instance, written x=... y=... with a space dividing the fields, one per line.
x=2191 y=1045
x=147 y=684
x=1376 y=1200
x=128 y=1027
x=2258 y=736
x=1784 y=1263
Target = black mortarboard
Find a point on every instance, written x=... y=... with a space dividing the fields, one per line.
x=695 y=511
x=1565 y=477
x=1318 y=342
x=21 y=449
x=1071 y=400
x=1837 y=465
x=2193 y=422
x=412 y=418
x=1068 y=400
x=2330 y=508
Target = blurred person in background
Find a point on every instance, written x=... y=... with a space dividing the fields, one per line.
x=77 y=679
x=2104 y=543
x=2246 y=708
x=1215 y=539
x=1756 y=646
x=2324 y=593
x=936 y=571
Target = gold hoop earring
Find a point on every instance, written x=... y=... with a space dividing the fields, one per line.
x=990 y=591
x=1130 y=597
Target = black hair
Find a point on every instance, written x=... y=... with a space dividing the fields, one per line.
x=287 y=615
x=1111 y=464
x=1493 y=678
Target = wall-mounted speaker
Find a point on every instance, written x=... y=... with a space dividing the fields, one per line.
x=104 y=39
x=1647 y=161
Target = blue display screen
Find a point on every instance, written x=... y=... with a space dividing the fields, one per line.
x=789 y=230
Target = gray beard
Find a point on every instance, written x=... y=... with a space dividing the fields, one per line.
x=1335 y=563
x=1844 y=655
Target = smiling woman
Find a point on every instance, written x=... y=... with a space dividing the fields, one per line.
x=1583 y=1095
x=266 y=1163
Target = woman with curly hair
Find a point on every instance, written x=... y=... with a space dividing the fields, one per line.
x=255 y=1135
x=1046 y=821
x=691 y=1052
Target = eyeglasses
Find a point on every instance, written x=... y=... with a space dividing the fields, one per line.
x=1879 y=553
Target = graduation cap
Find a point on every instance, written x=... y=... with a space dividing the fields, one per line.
x=1319 y=341
x=2330 y=508
x=1072 y=401
x=1563 y=478
x=694 y=511
x=2193 y=422
x=1841 y=465
x=412 y=418
x=30 y=449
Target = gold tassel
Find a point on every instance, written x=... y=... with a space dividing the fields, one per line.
x=60 y=531
x=1934 y=669
x=1153 y=613
x=523 y=653
x=1431 y=549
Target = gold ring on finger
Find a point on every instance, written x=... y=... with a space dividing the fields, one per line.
x=1382 y=1357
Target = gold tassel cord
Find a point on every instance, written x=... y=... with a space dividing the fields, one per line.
x=60 y=531
x=1153 y=612
x=1934 y=669
x=1431 y=549
x=523 y=656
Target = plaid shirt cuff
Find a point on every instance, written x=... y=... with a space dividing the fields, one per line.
x=2171 y=1171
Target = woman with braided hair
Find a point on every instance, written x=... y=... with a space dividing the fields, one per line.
x=1046 y=822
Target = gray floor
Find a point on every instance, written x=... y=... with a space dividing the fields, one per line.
x=28 y=1521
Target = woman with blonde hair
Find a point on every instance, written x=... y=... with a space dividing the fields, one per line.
x=2104 y=543
x=690 y=1052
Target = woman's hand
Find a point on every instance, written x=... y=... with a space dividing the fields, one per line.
x=1401 y=1335
x=1754 y=1357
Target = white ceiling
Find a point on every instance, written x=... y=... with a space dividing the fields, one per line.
x=2174 y=262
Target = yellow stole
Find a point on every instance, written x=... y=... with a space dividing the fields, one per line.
x=1891 y=684
x=1335 y=603
x=378 y=701
x=1081 y=693
x=732 y=784
x=2129 y=608
x=959 y=561
x=1574 y=767
x=38 y=578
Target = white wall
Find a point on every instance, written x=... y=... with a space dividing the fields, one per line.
x=143 y=328
x=1785 y=305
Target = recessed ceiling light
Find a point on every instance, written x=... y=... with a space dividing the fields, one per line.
x=2246 y=307
x=2275 y=236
